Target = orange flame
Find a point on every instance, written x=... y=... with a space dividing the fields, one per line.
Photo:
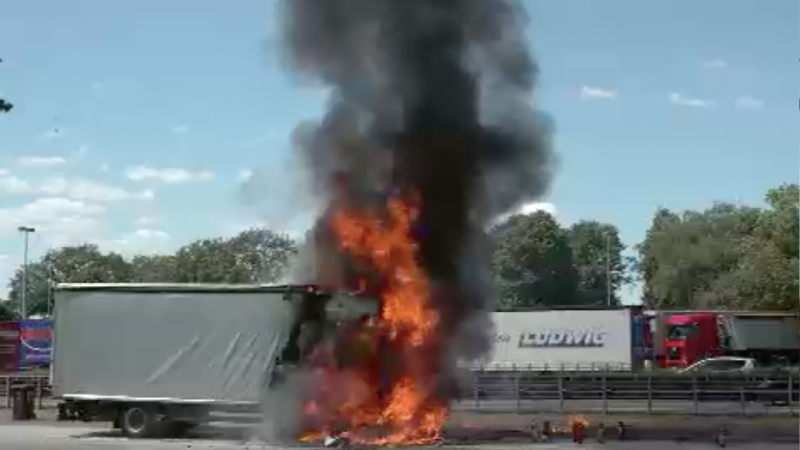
x=577 y=419
x=407 y=412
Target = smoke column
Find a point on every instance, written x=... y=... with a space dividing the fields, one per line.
x=435 y=95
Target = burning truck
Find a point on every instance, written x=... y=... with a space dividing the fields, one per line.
x=155 y=359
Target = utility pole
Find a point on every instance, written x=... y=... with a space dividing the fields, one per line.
x=50 y=306
x=26 y=231
x=608 y=267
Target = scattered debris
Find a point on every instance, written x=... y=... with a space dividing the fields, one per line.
x=578 y=431
x=547 y=431
x=336 y=441
x=621 y=431
x=601 y=433
x=721 y=437
x=536 y=434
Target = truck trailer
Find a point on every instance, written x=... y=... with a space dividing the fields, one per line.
x=600 y=339
x=771 y=338
x=155 y=359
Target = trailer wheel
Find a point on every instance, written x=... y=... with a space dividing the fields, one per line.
x=139 y=421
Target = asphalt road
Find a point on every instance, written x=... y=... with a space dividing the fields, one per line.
x=55 y=437
x=233 y=431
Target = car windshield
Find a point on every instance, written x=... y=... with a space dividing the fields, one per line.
x=681 y=332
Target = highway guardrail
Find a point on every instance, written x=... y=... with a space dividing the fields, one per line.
x=607 y=393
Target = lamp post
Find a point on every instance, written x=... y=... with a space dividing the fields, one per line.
x=608 y=268
x=26 y=231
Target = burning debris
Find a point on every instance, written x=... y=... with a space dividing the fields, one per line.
x=430 y=133
x=578 y=428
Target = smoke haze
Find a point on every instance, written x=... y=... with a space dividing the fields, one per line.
x=433 y=94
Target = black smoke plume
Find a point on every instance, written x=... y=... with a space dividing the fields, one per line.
x=434 y=96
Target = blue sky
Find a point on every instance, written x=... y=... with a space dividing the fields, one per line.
x=136 y=122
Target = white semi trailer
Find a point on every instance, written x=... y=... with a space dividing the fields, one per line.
x=156 y=358
x=568 y=340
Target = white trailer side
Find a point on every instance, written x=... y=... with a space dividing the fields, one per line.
x=184 y=344
x=561 y=340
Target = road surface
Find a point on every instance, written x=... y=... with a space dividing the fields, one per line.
x=38 y=437
x=55 y=437
x=232 y=432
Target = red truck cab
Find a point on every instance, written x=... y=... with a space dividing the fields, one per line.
x=767 y=336
x=691 y=338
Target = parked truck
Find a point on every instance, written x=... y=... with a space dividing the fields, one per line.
x=599 y=339
x=768 y=337
x=156 y=358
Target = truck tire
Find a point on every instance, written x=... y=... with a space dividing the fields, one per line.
x=139 y=421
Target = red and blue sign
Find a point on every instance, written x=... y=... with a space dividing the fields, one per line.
x=36 y=342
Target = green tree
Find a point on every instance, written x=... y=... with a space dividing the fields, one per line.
x=77 y=264
x=725 y=256
x=597 y=255
x=253 y=256
x=766 y=276
x=649 y=262
x=206 y=261
x=779 y=224
x=765 y=279
x=39 y=292
x=263 y=254
x=533 y=264
x=154 y=269
x=686 y=256
x=6 y=311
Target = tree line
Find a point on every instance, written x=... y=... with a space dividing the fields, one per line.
x=726 y=256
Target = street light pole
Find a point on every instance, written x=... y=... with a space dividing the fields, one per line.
x=50 y=289
x=26 y=231
x=608 y=268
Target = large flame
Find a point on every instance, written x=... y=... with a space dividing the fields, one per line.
x=387 y=394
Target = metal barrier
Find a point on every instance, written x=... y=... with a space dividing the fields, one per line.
x=41 y=384
x=547 y=368
x=603 y=393
x=645 y=393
